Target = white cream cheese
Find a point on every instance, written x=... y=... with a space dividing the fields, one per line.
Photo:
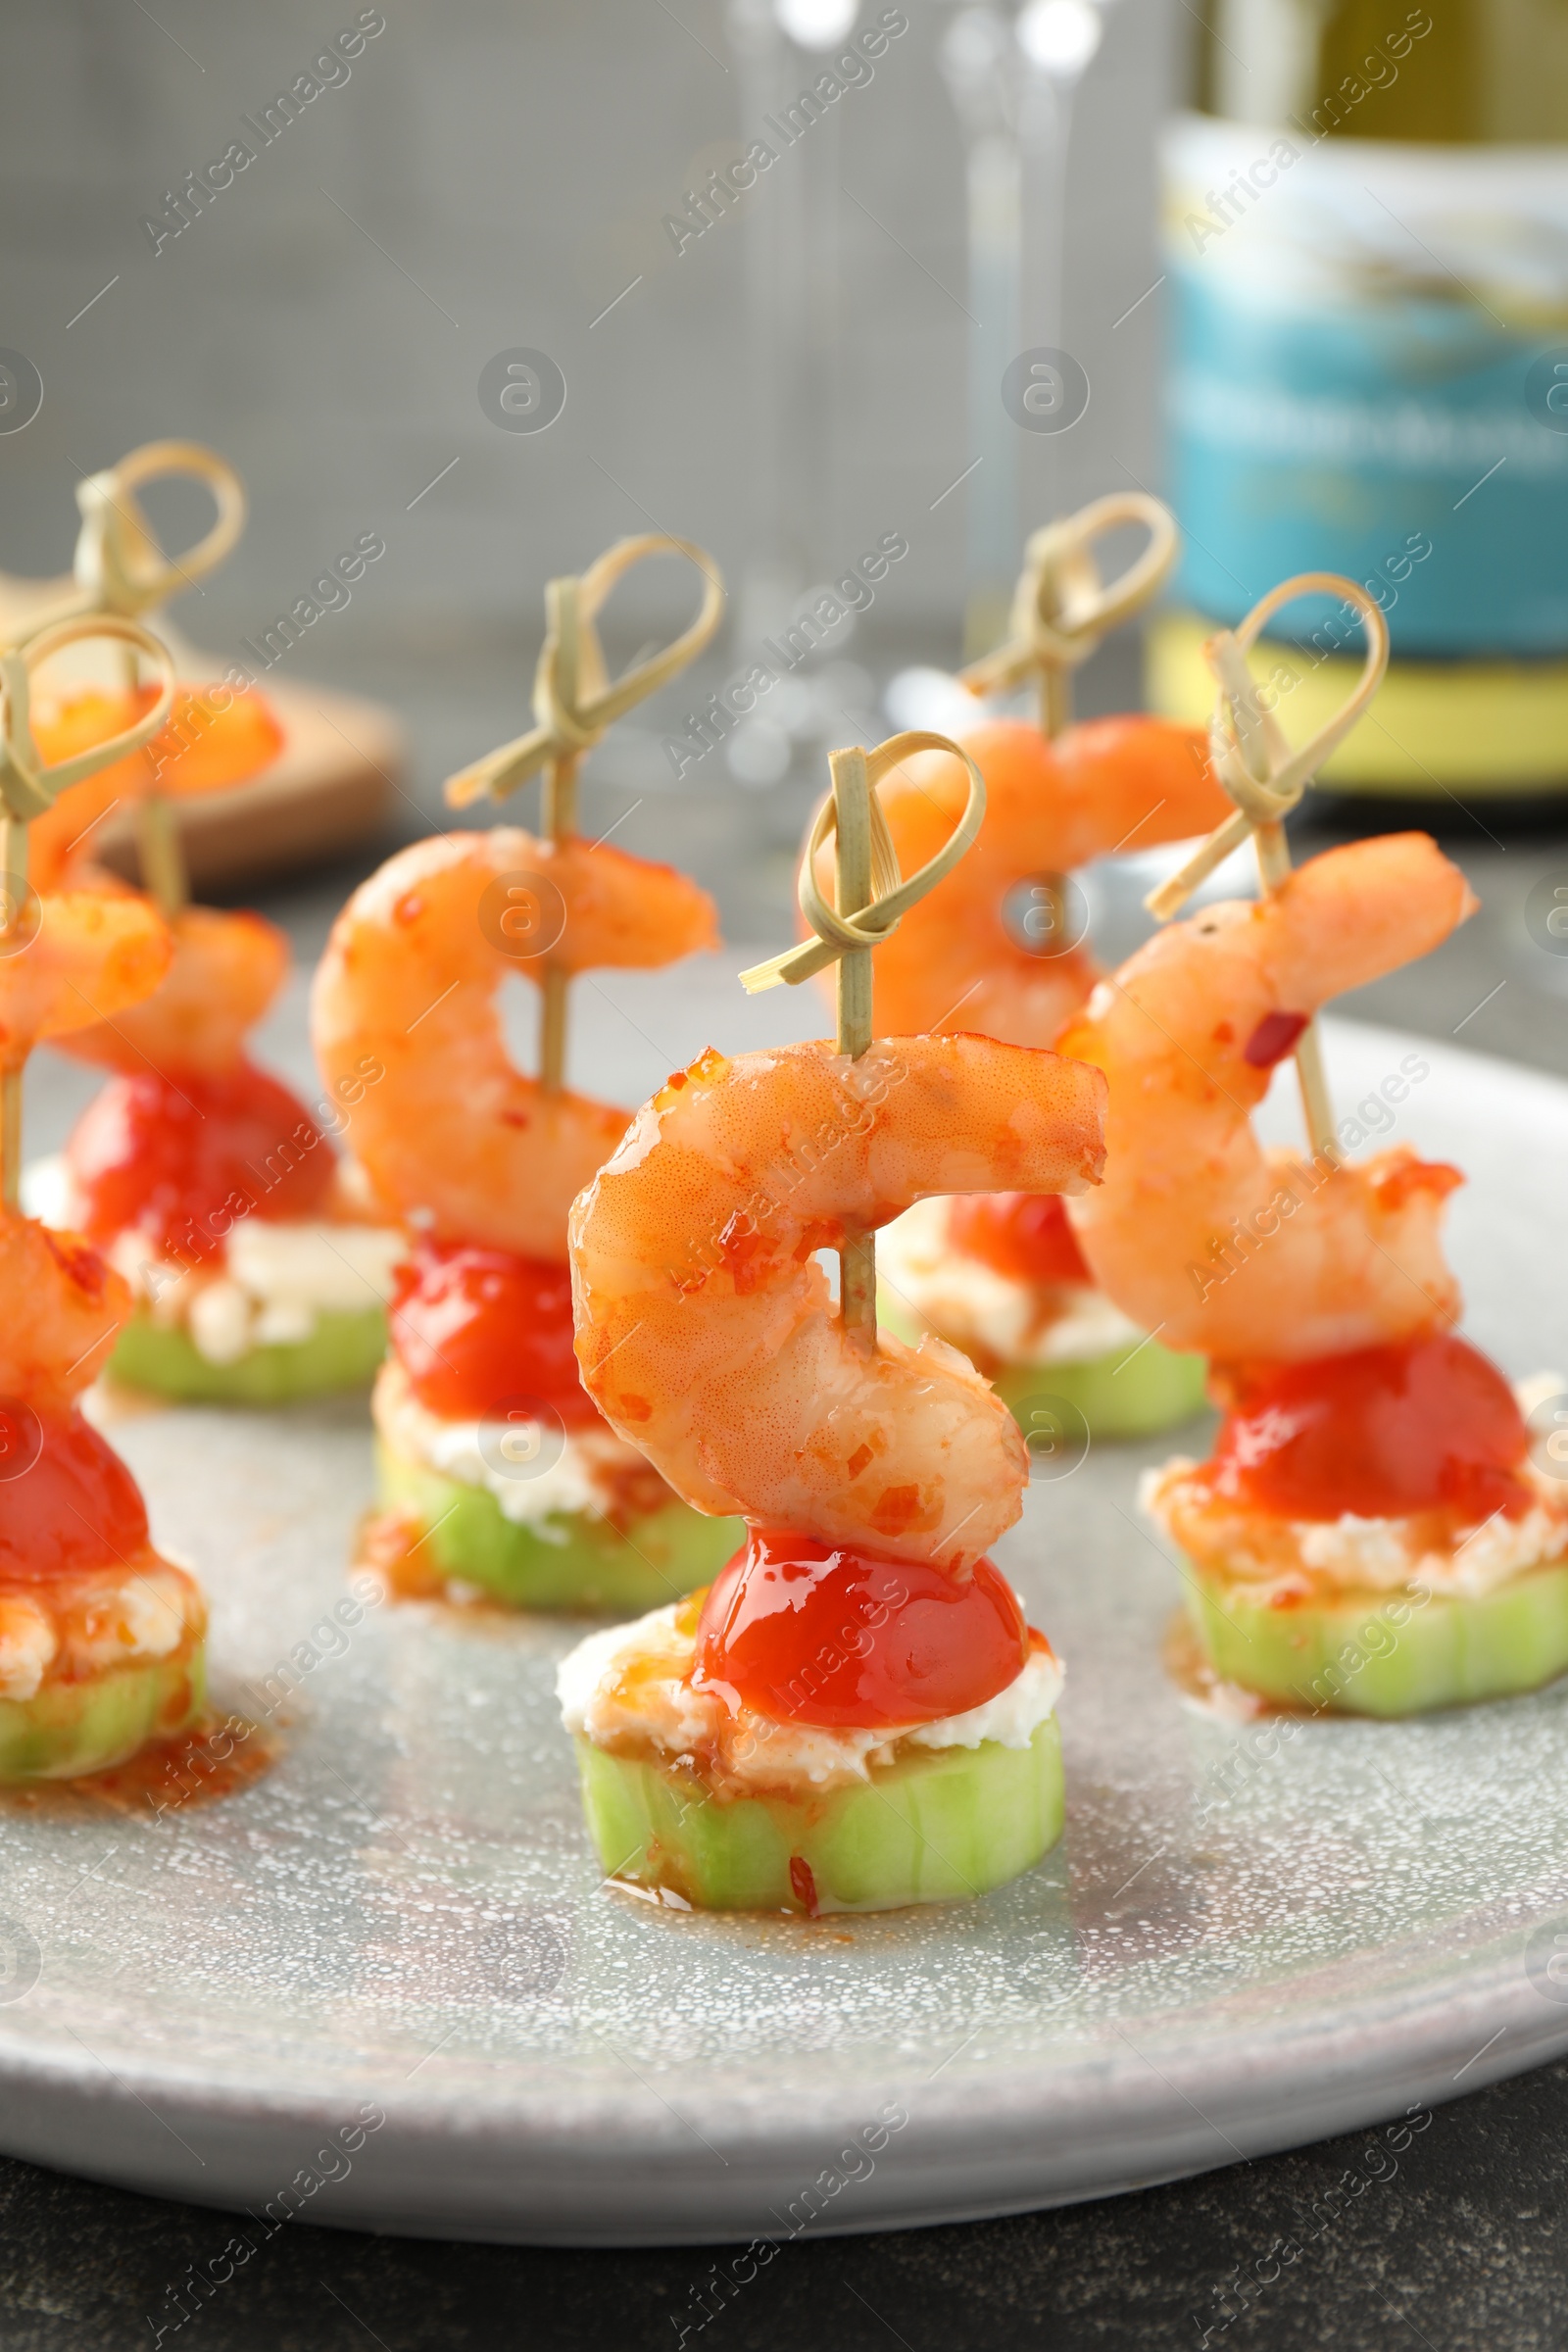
x=27 y=1645
x=145 y=1615
x=1272 y=1557
x=89 y=1624
x=269 y=1287
x=629 y=1687
x=976 y=1309
x=536 y=1470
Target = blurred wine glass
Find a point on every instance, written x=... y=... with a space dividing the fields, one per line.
x=1012 y=77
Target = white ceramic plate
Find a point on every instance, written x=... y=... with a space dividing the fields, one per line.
x=1231 y=1953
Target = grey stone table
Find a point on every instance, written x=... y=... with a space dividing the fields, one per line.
x=1463 y=2246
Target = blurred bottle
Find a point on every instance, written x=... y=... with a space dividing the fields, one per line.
x=1366 y=235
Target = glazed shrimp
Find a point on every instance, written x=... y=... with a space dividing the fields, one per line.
x=705 y=1333
x=74 y=1304
x=454 y=1139
x=202 y=749
x=955 y=962
x=88 y=956
x=88 y=961
x=1205 y=1237
x=226 y=968
x=84 y=1594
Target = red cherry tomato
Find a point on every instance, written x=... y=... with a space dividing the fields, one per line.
x=805 y=1633
x=480 y=1332
x=74 y=1506
x=1426 y=1425
x=183 y=1162
x=1023 y=1235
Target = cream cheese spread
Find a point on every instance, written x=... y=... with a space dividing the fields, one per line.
x=536 y=1470
x=629 y=1687
x=1290 y=1557
x=982 y=1311
x=269 y=1288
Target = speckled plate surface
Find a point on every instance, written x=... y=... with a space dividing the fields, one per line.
x=1240 y=1944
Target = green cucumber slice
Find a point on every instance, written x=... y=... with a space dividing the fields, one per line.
x=938 y=1826
x=343 y=1351
x=582 y=1563
x=1132 y=1392
x=70 y=1728
x=1387 y=1653
x=1127 y=1394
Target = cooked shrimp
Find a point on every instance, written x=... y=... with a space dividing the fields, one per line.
x=89 y=958
x=63 y=1305
x=705 y=1333
x=202 y=749
x=955 y=963
x=1197 y=1232
x=454 y=1139
x=227 y=967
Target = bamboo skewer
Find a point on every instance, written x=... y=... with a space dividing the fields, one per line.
x=122 y=571
x=1061 y=607
x=27 y=789
x=14 y=837
x=870 y=897
x=853 y=989
x=1267 y=779
x=574 y=705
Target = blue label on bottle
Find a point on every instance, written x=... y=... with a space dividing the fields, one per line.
x=1362 y=380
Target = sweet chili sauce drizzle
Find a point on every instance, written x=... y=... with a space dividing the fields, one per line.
x=479 y=1331
x=218 y=1757
x=1426 y=1425
x=1025 y=1236
x=74 y=1506
x=180 y=1160
x=76 y=1510
x=805 y=1632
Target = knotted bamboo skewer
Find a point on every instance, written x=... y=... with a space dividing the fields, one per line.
x=121 y=571
x=1061 y=607
x=27 y=789
x=870 y=896
x=574 y=705
x=1267 y=779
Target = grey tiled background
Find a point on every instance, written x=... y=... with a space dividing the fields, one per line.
x=513 y=164
x=493 y=175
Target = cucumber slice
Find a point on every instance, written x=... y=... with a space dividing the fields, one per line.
x=1122 y=1394
x=939 y=1825
x=579 y=1563
x=1131 y=1393
x=343 y=1351
x=70 y=1728
x=1385 y=1653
